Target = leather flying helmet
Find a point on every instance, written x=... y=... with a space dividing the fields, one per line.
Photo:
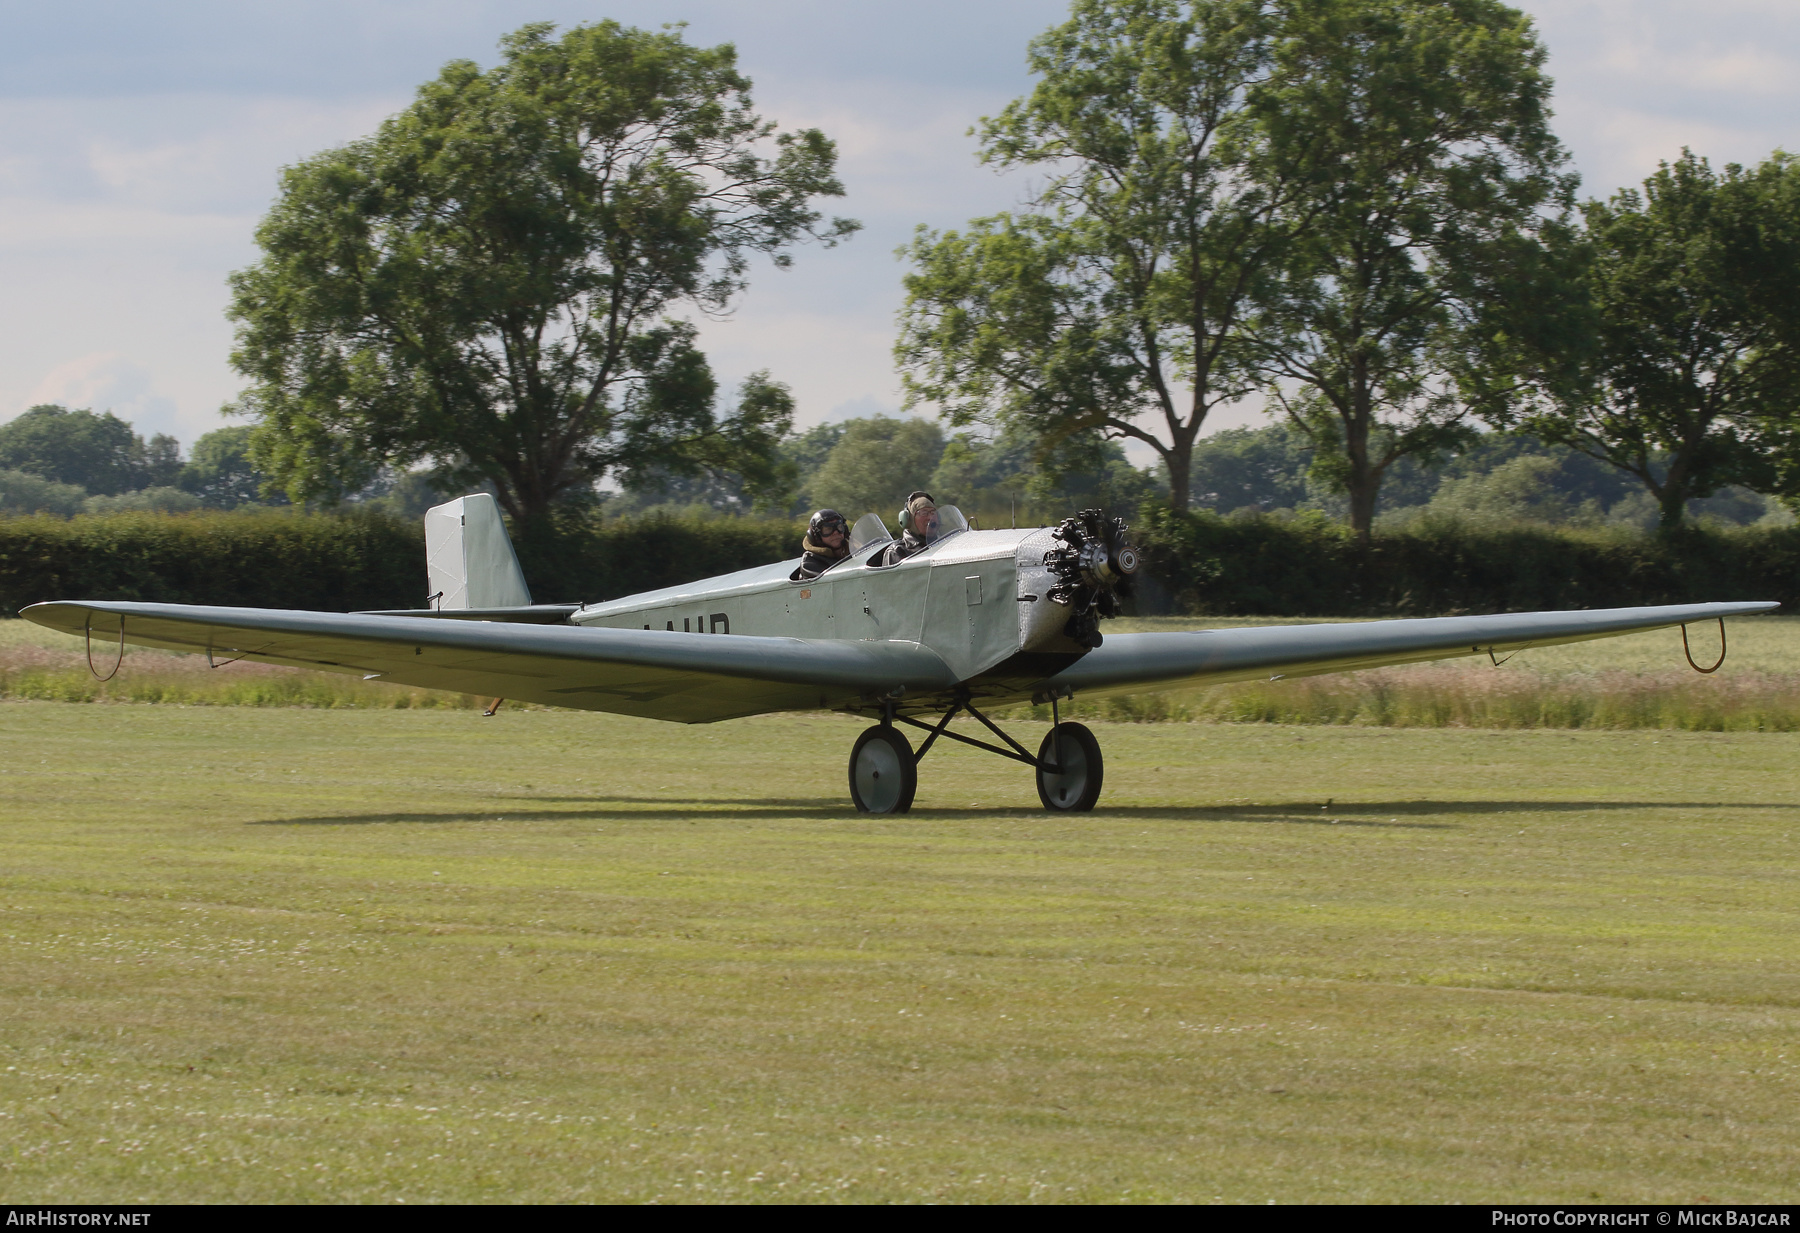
x=824 y=523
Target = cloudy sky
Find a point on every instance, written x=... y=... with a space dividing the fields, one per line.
x=140 y=142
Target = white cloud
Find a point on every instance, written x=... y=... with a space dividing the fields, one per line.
x=829 y=361
x=119 y=221
x=144 y=289
x=1741 y=70
x=183 y=153
x=105 y=381
x=1636 y=80
x=862 y=409
x=1626 y=145
x=826 y=326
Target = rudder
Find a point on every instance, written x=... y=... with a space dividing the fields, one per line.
x=469 y=557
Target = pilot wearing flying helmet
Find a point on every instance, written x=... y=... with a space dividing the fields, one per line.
x=827 y=542
x=918 y=524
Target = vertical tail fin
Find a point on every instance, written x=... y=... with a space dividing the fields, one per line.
x=469 y=558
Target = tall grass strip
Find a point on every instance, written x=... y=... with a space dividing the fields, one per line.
x=1469 y=697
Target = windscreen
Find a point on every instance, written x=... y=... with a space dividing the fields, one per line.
x=950 y=521
x=869 y=529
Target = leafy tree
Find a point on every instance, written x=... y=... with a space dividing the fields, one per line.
x=1738 y=506
x=707 y=482
x=162 y=462
x=973 y=469
x=98 y=452
x=726 y=475
x=1577 y=479
x=161 y=499
x=1116 y=304
x=876 y=463
x=659 y=492
x=21 y=492
x=1252 y=468
x=1522 y=489
x=484 y=286
x=806 y=452
x=1008 y=477
x=1422 y=250
x=1271 y=468
x=404 y=494
x=1694 y=286
x=220 y=471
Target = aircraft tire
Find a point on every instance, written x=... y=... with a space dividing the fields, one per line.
x=883 y=774
x=1076 y=788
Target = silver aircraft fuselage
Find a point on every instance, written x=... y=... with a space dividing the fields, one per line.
x=979 y=599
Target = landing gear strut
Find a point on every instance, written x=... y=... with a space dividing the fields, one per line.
x=884 y=767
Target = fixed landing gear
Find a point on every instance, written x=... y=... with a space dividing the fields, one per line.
x=1074 y=785
x=884 y=767
x=884 y=772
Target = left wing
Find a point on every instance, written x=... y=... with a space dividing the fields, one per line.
x=690 y=678
x=1126 y=662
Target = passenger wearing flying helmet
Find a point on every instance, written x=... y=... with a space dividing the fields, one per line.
x=918 y=525
x=827 y=542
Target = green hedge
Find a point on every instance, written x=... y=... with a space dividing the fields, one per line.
x=1194 y=563
x=590 y=560
x=257 y=559
x=1202 y=563
x=343 y=562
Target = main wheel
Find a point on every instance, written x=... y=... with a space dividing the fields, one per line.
x=1075 y=785
x=883 y=775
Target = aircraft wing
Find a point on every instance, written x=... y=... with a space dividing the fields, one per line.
x=657 y=674
x=1134 y=662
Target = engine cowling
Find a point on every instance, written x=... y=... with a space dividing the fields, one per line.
x=1093 y=563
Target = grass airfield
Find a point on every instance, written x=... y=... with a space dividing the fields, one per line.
x=354 y=955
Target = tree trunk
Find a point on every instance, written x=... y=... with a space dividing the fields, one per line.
x=1363 y=481
x=535 y=541
x=543 y=558
x=1180 y=460
x=1363 y=491
x=1672 y=497
x=1672 y=512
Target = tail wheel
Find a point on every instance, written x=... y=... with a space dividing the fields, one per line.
x=1074 y=786
x=883 y=774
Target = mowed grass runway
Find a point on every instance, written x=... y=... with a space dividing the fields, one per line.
x=301 y=955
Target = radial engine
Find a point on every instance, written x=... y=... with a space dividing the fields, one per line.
x=1093 y=563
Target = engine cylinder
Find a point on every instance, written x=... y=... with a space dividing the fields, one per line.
x=1093 y=564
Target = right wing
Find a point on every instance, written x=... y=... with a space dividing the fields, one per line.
x=689 y=678
x=1128 y=662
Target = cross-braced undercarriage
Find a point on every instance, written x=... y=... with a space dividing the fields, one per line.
x=884 y=772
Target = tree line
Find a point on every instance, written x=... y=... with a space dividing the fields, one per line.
x=1496 y=479
x=62 y=461
x=1354 y=211
x=1357 y=211
x=55 y=460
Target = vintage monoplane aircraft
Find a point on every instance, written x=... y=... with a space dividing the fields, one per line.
x=974 y=619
